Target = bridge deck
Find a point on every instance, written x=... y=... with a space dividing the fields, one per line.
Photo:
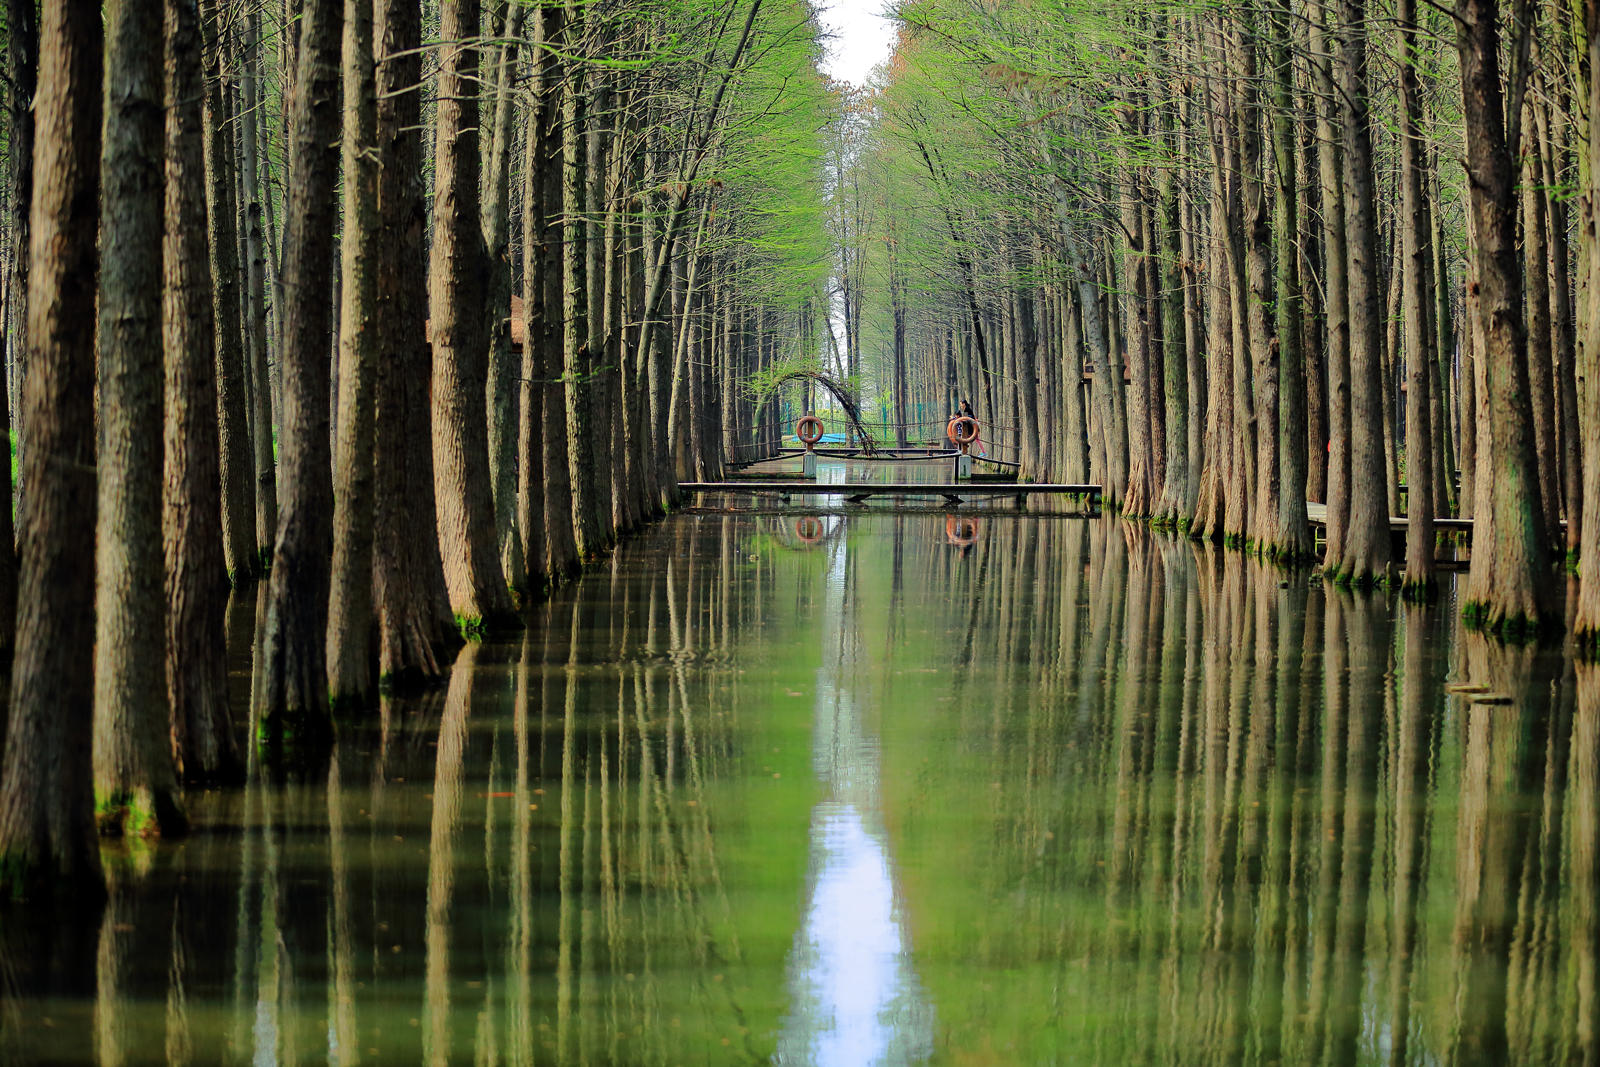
x=1317 y=514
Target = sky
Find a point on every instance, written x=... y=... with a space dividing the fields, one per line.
x=862 y=38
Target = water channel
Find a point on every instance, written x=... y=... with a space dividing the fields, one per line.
x=835 y=784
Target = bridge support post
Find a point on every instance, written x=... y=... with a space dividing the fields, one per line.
x=808 y=465
x=963 y=467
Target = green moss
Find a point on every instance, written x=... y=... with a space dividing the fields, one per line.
x=139 y=813
x=471 y=627
x=1517 y=629
x=1419 y=592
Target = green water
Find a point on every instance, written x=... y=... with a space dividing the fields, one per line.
x=887 y=786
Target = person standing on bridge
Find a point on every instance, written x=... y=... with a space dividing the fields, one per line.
x=964 y=411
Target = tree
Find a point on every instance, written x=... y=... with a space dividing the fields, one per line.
x=410 y=600
x=295 y=691
x=48 y=847
x=196 y=575
x=136 y=784
x=478 y=592
x=350 y=596
x=1510 y=592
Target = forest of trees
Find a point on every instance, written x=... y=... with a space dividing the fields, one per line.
x=525 y=266
x=368 y=261
x=1226 y=259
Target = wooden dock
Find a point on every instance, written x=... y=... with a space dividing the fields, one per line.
x=857 y=492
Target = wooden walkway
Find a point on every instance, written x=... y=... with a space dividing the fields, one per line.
x=1317 y=514
x=856 y=492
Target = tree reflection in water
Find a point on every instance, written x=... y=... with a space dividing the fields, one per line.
x=1069 y=792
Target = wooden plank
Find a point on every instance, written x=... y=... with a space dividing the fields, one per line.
x=1317 y=514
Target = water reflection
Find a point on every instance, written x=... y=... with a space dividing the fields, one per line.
x=856 y=995
x=889 y=787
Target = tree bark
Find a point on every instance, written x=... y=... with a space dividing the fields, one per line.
x=22 y=56
x=410 y=600
x=350 y=590
x=1366 y=552
x=196 y=577
x=238 y=466
x=294 y=696
x=261 y=395
x=136 y=784
x=1415 y=256
x=48 y=849
x=478 y=592
x=504 y=369
x=1510 y=588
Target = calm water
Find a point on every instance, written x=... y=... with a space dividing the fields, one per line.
x=888 y=786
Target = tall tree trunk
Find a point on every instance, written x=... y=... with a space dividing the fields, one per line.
x=1176 y=492
x=577 y=356
x=1553 y=153
x=255 y=304
x=504 y=369
x=1416 y=254
x=238 y=465
x=1510 y=589
x=294 y=693
x=1541 y=373
x=410 y=600
x=561 y=553
x=1336 y=282
x=136 y=785
x=196 y=576
x=1586 y=625
x=22 y=57
x=1366 y=549
x=350 y=591
x=1293 y=533
x=48 y=848
x=478 y=593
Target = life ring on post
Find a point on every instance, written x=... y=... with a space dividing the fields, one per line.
x=809 y=430
x=809 y=529
x=963 y=430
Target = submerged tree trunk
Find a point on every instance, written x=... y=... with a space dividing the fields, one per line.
x=48 y=848
x=1511 y=590
x=478 y=593
x=295 y=690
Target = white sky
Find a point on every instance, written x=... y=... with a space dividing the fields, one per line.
x=862 y=38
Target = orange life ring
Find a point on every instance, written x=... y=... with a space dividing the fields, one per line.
x=809 y=430
x=963 y=429
x=960 y=530
x=809 y=529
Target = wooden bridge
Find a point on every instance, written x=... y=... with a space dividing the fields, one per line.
x=859 y=492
